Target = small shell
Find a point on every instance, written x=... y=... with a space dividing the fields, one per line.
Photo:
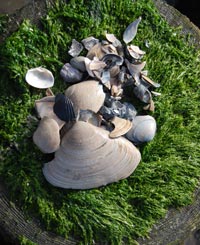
x=122 y=126
x=90 y=117
x=78 y=63
x=112 y=60
x=89 y=42
x=63 y=108
x=39 y=77
x=70 y=74
x=75 y=48
x=135 y=52
x=87 y=95
x=131 y=31
x=143 y=129
x=150 y=82
x=112 y=38
x=142 y=93
x=47 y=136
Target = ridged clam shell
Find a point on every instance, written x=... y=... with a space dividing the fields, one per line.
x=122 y=126
x=87 y=95
x=47 y=136
x=88 y=158
x=39 y=77
x=143 y=129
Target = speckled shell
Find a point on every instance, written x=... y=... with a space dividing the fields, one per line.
x=87 y=95
x=143 y=129
x=47 y=136
x=88 y=158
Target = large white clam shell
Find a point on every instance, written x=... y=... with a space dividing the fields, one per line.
x=88 y=158
x=40 y=77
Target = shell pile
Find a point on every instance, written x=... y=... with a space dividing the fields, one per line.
x=93 y=132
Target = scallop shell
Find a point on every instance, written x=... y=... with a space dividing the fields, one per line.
x=122 y=126
x=40 y=77
x=47 y=136
x=44 y=108
x=87 y=95
x=88 y=158
x=143 y=129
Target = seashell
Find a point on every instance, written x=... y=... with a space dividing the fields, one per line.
x=63 y=108
x=78 y=62
x=89 y=42
x=70 y=74
x=150 y=106
x=112 y=38
x=88 y=158
x=142 y=93
x=105 y=78
x=47 y=136
x=87 y=95
x=143 y=129
x=44 y=108
x=135 y=52
x=131 y=31
x=39 y=77
x=112 y=60
x=95 y=51
x=150 y=82
x=90 y=117
x=135 y=68
x=121 y=127
x=75 y=48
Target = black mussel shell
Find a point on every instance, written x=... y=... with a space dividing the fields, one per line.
x=142 y=93
x=63 y=108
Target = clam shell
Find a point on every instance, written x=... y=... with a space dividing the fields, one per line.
x=47 y=136
x=63 y=108
x=88 y=158
x=143 y=129
x=39 y=77
x=122 y=126
x=87 y=95
x=70 y=74
x=44 y=108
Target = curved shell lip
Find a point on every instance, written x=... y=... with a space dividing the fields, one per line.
x=40 y=77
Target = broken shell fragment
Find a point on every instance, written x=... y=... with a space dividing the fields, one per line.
x=135 y=52
x=121 y=127
x=63 y=108
x=44 y=108
x=88 y=158
x=39 y=77
x=89 y=42
x=131 y=31
x=46 y=136
x=142 y=93
x=70 y=74
x=86 y=95
x=150 y=82
x=143 y=129
x=75 y=48
x=78 y=62
x=90 y=117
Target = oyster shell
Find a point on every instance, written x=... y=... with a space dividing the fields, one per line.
x=88 y=158
x=143 y=129
x=87 y=95
x=47 y=136
x=39 y=77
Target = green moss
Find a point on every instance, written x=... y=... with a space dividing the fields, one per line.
x=170 y=167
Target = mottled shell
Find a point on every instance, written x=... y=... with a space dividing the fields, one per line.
x=47 y=136
x=44 y=108
x=87 y=95
x=39 y=77
x=143 y=129
x=88 y=158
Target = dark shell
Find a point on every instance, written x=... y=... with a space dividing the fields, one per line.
x=89 y=42
x=70 y=74
x=63 y=108
x=142 y=93
x=112 y=60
